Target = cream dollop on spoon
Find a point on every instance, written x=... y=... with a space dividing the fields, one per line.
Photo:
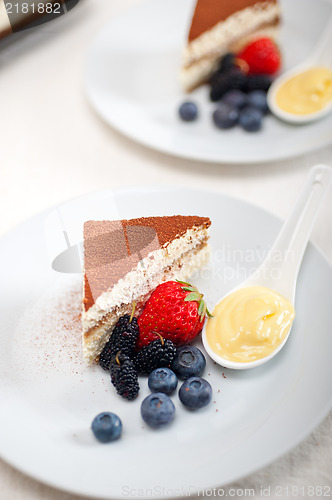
x=252 y=323
x=304 y=93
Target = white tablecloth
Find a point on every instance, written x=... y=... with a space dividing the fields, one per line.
x=54 y=147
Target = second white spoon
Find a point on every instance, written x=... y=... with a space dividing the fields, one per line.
x=321 y=56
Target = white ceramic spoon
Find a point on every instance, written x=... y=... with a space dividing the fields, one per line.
x=321 y=56
x=290 y=243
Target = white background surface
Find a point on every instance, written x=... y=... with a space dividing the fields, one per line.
x=53 y=147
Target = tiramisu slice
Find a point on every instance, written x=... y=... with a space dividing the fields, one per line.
x=220 y=26
x=125 y=260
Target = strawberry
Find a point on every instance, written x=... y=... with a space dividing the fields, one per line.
x=176 y=310
x=262 y=56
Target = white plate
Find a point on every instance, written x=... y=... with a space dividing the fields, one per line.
x=49 y=398
x=131 y=79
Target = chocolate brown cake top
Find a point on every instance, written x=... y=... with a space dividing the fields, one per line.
x=113 y=248
x=208 y=13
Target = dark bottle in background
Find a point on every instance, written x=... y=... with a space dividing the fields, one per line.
x=19 y=15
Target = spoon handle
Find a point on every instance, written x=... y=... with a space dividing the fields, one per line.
x=322 y=53
x=283 y=261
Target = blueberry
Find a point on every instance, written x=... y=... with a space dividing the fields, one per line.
x=189 y=362
x=235 y=98
x=106 y=427
x=195 y=393
x=162 y=380
x=257 y=99
x=188 y=111
x=225 y=116
x=250 y=119
x=157 y=410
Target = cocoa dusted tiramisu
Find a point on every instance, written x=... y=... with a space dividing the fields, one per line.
x=221 y=26
x=125 y=260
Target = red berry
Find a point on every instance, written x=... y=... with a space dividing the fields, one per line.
x=176 y=310
x=262 y=56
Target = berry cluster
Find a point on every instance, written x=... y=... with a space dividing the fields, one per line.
x=117 y=354
x=177 y=310
x=240 y=97
x=120 y=358
x=158 y=409
x=239 y=87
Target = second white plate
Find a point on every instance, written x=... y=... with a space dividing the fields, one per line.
x=131 y=79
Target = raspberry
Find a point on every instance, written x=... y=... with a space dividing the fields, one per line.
x=262 y=56
x=123 y=338
x=124 y=376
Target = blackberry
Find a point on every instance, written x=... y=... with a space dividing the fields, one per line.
x=123 y=338
x=227 y=62
x=124 y=376
x=223 y=82
x=258 y=82
x=237 y=78
x=105 y=357
x=158 y=354
x=214 y=78
x=220 y=84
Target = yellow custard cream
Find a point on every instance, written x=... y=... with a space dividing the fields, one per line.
x=249 y=324
x=307 y=92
